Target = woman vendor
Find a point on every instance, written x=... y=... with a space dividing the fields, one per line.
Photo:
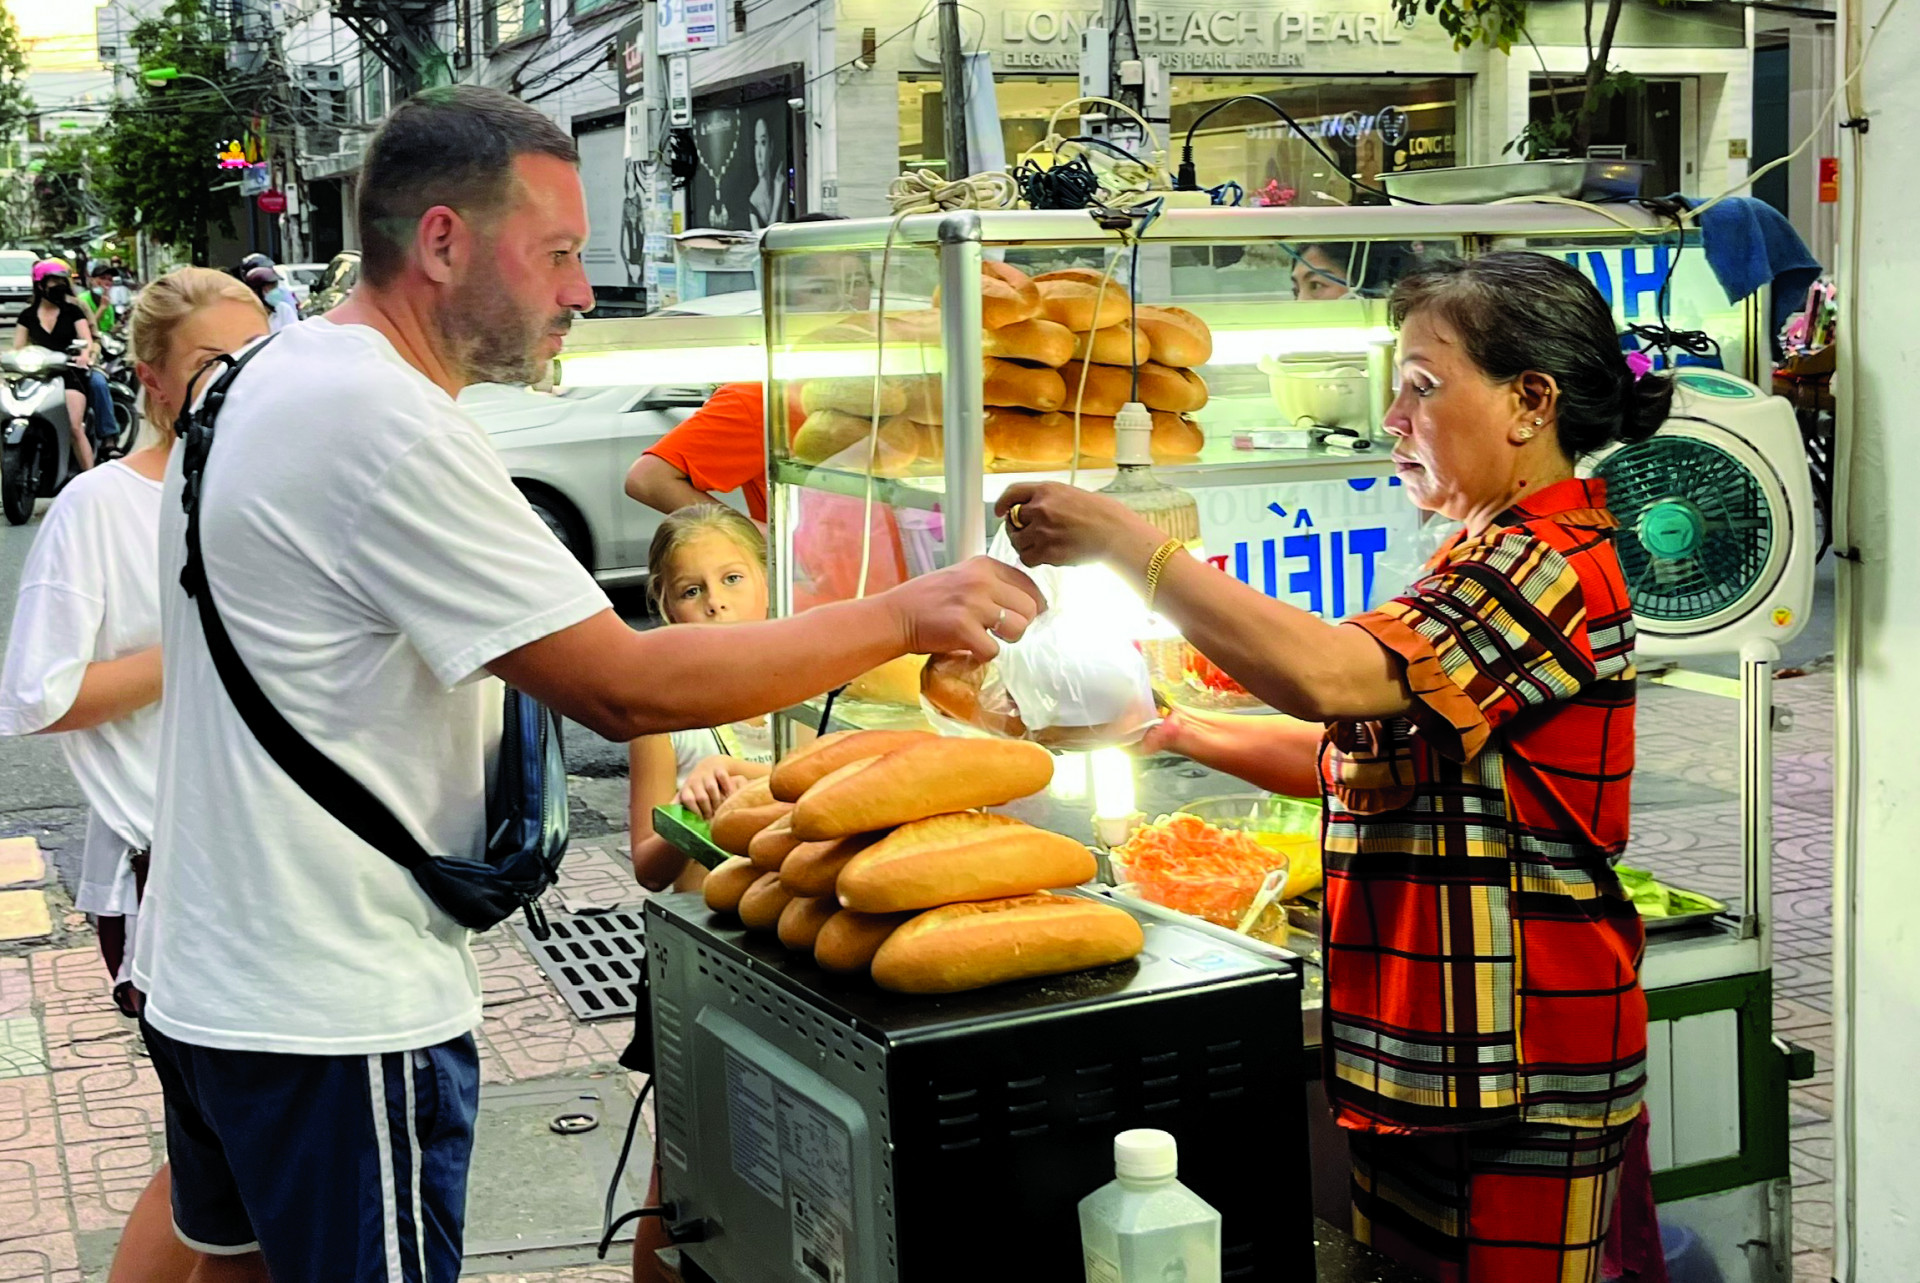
x=1485 y=1030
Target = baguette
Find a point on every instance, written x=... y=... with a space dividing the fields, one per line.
x=955 y=685
x=1030 y=387
x=853 y=395
x=833 y=436
x=970 y=946
x=727 y=882
x=1045 y=440
x=1042 y=342
x=814 y=867
x=848 y=941
x=801 y=920
x=929 y=778
x=1179 y=337
x=895 y=682
x=740 y=817
x=1116 y=345
x=1007 y=295
x=1162 y=387
x=801 y=769
x=1175 y=437
x=969 y=856
x=764 y=901
x=770 y=846
x=1081 y=304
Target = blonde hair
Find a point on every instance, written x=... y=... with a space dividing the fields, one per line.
x=679 y=528
x=158 y=311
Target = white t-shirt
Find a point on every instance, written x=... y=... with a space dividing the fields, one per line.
x=369 y=556
x=745 y=740
x=90 y=592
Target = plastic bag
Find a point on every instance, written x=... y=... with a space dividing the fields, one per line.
x=1075 y=680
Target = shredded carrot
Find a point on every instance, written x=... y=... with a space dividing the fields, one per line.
x=1185 y=863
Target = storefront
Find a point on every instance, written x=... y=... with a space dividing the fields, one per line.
x=1382 y=95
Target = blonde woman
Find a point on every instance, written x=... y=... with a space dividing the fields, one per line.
x=84 y=661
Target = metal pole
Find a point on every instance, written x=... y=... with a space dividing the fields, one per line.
x=953 y=89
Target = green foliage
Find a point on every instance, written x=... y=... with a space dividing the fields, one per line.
x=65 y=206
x=161 y=145
x=15 y=105
x=1493 y=23
x=1542 y=137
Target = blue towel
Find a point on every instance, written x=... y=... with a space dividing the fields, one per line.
x=1749 y=243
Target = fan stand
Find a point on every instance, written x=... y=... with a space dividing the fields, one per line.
x=1758 y=721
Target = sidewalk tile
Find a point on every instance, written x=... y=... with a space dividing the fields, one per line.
x=23 y=1053
x=24 y=916
x=107 y=1102
x=79 y=1040
x=26 y=1113
x=43 y=1258
x=32 y=1192
x=105 y=1179
x=16 y=988
x=71 y=980
x=21 y=862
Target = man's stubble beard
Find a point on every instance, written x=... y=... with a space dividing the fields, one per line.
x=489 y=337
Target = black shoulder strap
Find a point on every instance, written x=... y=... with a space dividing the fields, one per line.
x=338 y=793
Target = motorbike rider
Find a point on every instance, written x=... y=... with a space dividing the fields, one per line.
x=55 y=321
x=267 y=287
x=106 y=313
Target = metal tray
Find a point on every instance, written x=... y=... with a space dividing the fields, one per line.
x=1590 y=180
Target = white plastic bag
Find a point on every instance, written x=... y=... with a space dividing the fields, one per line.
x=1074 y=680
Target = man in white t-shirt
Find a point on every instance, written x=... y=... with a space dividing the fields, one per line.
x=310 y=1010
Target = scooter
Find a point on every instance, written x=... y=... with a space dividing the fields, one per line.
x=36 y=441
x=123 y=385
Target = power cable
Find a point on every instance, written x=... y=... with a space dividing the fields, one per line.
x=1187 y=181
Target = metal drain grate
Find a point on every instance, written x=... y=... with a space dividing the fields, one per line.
x=593 y=959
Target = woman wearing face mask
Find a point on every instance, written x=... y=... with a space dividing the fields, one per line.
x=1472 y=739
x=54 y=321
x=84 y=657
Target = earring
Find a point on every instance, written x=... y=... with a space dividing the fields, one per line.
x=1525 y=434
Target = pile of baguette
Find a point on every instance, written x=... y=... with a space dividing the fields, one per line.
x=868 y=850
x=1053 y=344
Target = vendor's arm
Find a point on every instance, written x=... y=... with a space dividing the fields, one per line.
x=622 y=683
x=1292 y=660
x=111 y=689
x=650 y=782
x=1278 y=754
x=661 y=486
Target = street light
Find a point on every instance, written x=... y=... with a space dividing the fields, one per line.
x=157 y=77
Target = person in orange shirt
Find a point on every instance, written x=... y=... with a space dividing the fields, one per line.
x=722 y=447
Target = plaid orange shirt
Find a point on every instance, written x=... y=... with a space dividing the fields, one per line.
x=1482 y=961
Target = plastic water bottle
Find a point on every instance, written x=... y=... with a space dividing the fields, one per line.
x=1146 y=1227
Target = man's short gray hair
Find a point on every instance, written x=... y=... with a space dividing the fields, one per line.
x=451 y=145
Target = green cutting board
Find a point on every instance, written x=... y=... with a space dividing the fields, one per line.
x=686 y=833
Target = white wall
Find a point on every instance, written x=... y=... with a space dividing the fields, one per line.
x=1877 y=884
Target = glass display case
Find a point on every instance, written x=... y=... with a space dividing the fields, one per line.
x=882 y=467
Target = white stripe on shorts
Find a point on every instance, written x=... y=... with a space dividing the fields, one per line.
x=413 y=1164
x=383 y=1141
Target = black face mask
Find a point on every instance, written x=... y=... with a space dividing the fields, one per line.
x=58 y=290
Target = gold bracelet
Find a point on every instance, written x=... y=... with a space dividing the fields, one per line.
x=1158 y=564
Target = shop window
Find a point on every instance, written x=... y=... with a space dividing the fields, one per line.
x=511 y=20
x=1644 y=118
x=1371 y=125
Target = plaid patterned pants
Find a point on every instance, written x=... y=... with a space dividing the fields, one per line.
x=1514 y=1204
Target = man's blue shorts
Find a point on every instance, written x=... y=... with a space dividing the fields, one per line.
x=336 y=1168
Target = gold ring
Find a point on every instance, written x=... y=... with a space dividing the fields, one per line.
x=1013 y=518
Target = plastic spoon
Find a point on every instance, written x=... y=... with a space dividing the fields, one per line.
x=1269 y=892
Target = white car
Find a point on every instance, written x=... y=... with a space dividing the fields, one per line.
x=300 y=278
x=16 y=280
x=569 y=451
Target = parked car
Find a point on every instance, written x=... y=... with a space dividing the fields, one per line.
x=300 y=278
x=569 y=451
x=16 y=279
x=339 y=277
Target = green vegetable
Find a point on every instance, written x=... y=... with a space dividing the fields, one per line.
x=1655 y=899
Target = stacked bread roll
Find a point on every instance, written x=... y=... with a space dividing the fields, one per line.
x=839 y=411
x=1069 y=343
x=871 y=853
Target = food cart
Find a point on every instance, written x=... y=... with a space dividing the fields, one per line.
x=1296 y=498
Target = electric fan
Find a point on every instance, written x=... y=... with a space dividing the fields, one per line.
x=1716 y=516
x=1716 y=545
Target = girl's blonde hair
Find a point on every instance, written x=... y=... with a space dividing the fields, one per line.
x=680 y=527
x=158 y=311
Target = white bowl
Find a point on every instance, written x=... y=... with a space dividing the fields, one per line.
x=1321 y=391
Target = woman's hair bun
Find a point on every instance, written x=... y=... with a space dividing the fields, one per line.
x=1651 y=401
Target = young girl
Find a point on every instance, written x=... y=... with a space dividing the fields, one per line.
x=84 y=660
x=708 y=565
